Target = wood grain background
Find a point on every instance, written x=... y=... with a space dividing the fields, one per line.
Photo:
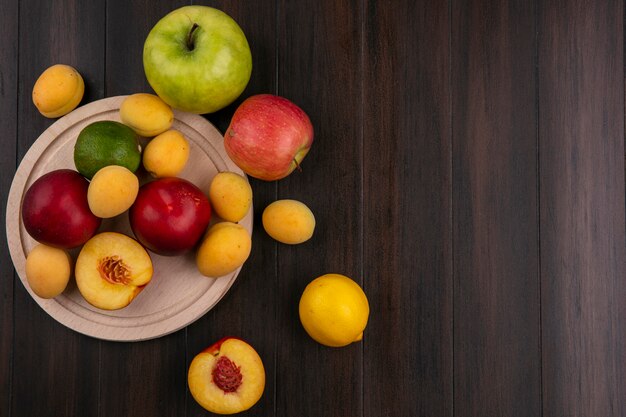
x=467 y=171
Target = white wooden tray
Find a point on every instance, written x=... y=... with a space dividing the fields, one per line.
x=177 y=294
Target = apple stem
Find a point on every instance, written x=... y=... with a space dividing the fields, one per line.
x=190 y=44
x=298 y=167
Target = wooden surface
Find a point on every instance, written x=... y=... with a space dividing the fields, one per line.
x=468 y=171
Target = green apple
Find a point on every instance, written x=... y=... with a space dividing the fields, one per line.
x=197 y=59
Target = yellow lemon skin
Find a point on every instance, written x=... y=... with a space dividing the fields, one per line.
x=58 y=90
x=334 y=310
x=146 y=114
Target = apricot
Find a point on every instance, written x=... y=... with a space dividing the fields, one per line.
x=48 y=270
x=146 y=114
x=58 y=90
x=166 y=155
x=289 y=221
x=230 y=195
x=112 y=191
x=225 y=248
x=111 y=270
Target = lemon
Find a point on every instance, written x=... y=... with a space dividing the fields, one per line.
x=105 y=143
x=334 y=310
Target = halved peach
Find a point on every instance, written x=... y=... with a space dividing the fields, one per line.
x=228 y=377
x=111 y=270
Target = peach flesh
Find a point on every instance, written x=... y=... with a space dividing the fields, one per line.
x=227 y=377
x=111 y=270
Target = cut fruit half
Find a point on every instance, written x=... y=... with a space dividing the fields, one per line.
x=228 y=377
x=111 y=270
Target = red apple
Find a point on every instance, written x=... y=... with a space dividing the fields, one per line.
x=169 y=215
x=227 y=377
x=55 y=210
x=268 y=137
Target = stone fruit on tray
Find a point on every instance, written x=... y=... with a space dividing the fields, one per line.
x=58 y=90
x=225 y=248
x=112 y=191
x=334 y=310
x=48 y=270
x=169 y=215
x=55 y=210
x=104 y=143
x=288 y=221
x=230 y=195
x=111 y=270
x=227 y=377
x=166 y=155
x=146 y=114
x=268 y=137
x=197 y=59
